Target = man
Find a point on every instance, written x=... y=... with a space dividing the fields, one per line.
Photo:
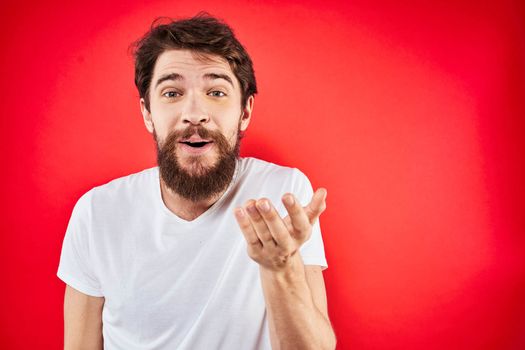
x=207 y=250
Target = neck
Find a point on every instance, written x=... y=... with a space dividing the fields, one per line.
x=184 y=208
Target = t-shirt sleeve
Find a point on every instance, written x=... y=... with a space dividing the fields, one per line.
x=312 y=250
x=75 y=267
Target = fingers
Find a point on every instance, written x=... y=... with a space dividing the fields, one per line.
x=263 y=221
x=262 y=225
x=317 y=205
x=273 y=222
x=246 y=227
x=258 y=223
x=301 y=219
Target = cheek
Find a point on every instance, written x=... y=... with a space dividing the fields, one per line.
x=230 y=131
x=164 y=119
x=227 y=117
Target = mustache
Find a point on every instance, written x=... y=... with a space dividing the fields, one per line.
x=203 y=133
x=172 y=140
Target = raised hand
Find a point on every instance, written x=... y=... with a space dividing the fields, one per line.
x=273 y=240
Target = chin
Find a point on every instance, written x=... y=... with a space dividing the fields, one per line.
x=198 y=165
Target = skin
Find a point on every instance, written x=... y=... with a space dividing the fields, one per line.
x=207 y=93
x=82 y=321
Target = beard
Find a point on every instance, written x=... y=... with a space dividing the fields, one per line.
x=204 y=181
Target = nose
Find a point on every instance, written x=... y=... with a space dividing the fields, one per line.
x=194 y=112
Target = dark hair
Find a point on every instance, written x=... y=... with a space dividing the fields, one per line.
x=202 y=34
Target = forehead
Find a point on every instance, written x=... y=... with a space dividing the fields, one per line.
x=188 y=63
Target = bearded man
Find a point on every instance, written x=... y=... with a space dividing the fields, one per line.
x=208 y=250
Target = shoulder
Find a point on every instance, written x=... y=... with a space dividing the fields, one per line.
x=258 y=167
x=121 y=189
x=260 y=173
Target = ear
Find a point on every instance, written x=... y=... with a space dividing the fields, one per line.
x=247 y=113
x=146 y=115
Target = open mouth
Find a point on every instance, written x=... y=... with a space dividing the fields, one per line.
x=196 y=144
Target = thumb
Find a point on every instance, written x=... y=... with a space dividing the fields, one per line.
x=317 y=205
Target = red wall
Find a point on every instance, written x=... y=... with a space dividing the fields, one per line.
x=411 y=115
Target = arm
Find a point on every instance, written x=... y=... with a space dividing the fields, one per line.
x=82 y=320
x=295 y=295
x=297 y=312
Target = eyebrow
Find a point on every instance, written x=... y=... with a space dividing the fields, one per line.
x=213 y=76
x=171 y=76
x=208 y=76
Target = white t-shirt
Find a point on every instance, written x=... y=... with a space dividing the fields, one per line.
x=169 y=283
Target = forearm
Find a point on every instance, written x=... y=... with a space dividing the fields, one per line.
x=294 y=320
x=82 y=320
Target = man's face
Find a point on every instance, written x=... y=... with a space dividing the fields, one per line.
x=195 y=116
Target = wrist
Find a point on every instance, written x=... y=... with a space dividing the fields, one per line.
x=292 y=271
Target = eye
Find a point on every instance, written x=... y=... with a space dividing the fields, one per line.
x=171 y=94
x=216 y=93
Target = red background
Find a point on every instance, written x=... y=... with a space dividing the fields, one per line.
x=410 y=114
